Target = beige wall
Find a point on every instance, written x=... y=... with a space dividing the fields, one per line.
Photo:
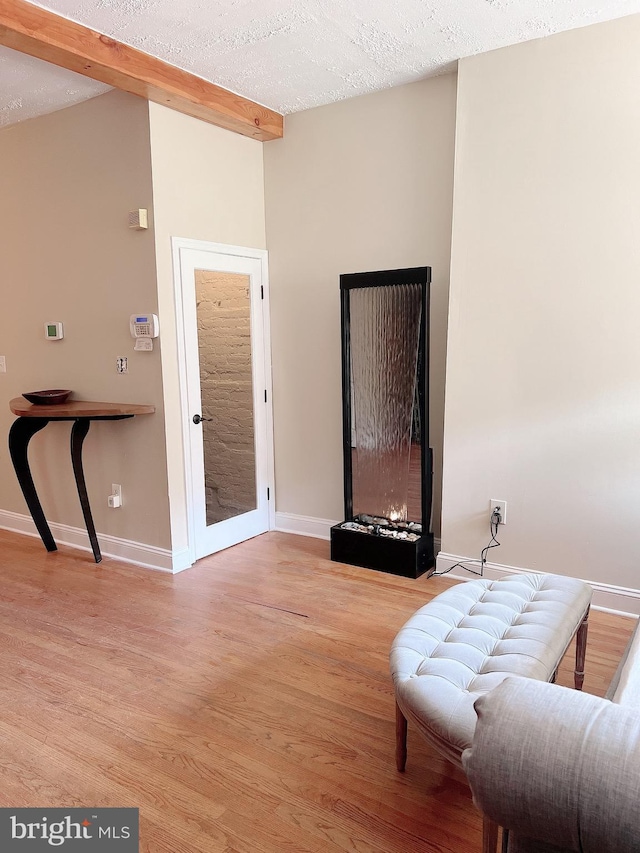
x=207 y=185
x=543 y=378
x=363 y=184
x=69 y=180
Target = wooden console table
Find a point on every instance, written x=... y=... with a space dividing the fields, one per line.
x=31 y=419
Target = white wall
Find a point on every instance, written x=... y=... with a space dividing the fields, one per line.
x=69 y=180
x=364 y=184
x=543 y=376
x=207 y=185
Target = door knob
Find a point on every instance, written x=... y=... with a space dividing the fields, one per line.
x=198 y=419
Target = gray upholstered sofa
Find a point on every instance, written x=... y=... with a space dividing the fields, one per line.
x=560 y=769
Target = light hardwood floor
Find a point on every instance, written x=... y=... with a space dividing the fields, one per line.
x=244 y=706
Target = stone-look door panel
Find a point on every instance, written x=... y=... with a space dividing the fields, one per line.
x=223 y=305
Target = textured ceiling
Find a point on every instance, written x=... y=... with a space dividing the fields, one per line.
x=294 y=54
x=30 y=88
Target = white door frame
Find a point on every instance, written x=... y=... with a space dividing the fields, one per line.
x=177 y=245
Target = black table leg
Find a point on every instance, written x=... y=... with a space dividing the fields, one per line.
x=79 y=430
x=19 y=436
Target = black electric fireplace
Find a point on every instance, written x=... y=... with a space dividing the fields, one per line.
x=388 y=469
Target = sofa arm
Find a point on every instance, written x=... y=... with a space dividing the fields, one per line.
x=557 y=767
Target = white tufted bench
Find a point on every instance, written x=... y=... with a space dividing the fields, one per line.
x=471 y=637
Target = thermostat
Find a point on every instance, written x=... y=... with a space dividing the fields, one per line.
x=53 y=331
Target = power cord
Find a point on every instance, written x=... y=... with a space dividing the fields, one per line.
x=494 y=523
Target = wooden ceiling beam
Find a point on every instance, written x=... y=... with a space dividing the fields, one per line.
x=52 y=38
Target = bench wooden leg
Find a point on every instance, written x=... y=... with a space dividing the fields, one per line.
x=401 y=740
x=489 y=835
x=581 y=650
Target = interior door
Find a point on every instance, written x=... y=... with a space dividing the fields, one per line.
x=227 y=393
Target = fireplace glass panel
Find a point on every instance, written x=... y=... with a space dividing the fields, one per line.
x=385 y=327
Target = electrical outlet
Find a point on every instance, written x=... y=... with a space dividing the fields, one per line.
x=116 y=492
x=3 y=364
x=501 y=507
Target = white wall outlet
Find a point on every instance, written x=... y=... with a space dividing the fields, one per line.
x=122 y=365
x=3 y=364
x=116 y=489
x=501 y=506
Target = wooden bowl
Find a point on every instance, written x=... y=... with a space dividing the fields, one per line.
x=47 y=398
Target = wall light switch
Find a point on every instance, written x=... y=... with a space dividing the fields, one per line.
x=3 y=364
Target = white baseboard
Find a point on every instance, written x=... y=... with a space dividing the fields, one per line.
x=147 y=556
x=621 y=600
x=182 y=560
x=304 y=525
